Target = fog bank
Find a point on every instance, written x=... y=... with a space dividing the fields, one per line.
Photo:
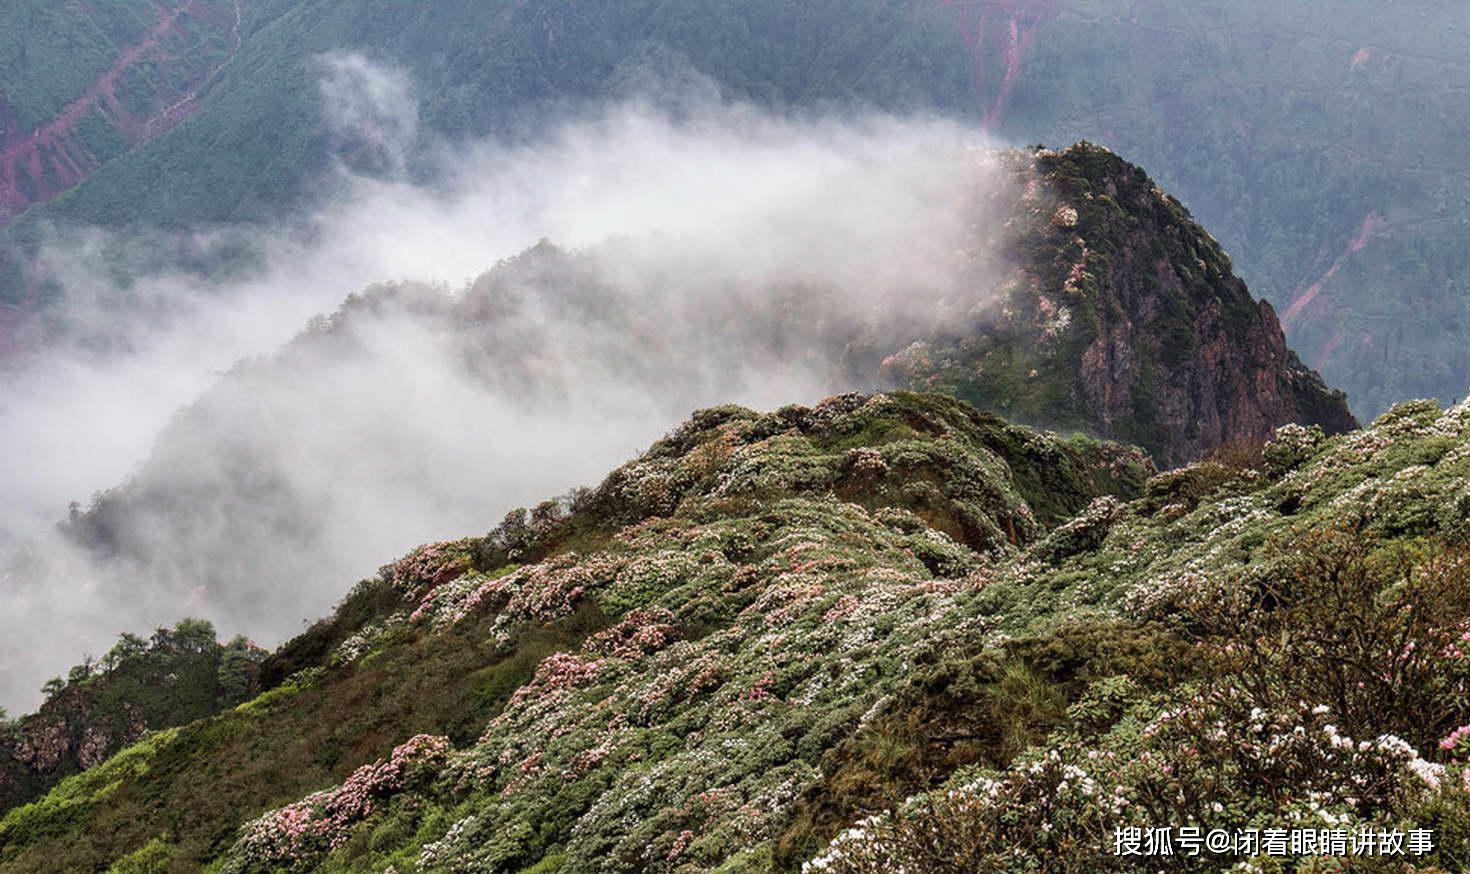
x=705 y=256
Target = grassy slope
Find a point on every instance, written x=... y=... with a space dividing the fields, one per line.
x=773 y=523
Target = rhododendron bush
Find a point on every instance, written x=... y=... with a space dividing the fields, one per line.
x=295 y=836
x=1203 y=762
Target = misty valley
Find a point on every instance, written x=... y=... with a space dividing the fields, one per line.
x=642 y=438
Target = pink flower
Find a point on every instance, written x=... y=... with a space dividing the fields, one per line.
x=1454 y=738
x=762 y=688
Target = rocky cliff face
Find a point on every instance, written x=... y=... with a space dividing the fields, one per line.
x=1123 y=318
x=1180 y=345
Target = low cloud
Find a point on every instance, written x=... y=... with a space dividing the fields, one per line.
x=370 y=111
x=706 y=256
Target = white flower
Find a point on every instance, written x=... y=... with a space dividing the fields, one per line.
x=1429 y=772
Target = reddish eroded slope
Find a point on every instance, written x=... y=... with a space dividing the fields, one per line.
x=1311 y=297
x=41 y=163
x=1372 y=224
x=1004 y=30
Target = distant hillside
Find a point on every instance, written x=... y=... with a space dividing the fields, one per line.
x=1317 y=143
x=81 y=84
x=257 y=143
x=751 y=640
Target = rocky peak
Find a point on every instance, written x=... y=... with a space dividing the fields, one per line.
x=1123 y=318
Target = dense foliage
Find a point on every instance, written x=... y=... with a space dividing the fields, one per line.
x=52 y=52
x=841 y=637
x=82 y=83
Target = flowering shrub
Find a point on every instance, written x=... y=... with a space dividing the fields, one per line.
x=866 y=460
x=559 y=671
x=1291 y=446
x=1086 y=532
x=1204 y=761
x=640 y=633
x=540 y=592
x=1457 y=744
x=1376 y=636
x=369 y=637
x=430 y=565
x=296 y=836
x=911 y=363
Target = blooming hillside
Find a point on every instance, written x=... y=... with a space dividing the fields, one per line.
x=884 y=633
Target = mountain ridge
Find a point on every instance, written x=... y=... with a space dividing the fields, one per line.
x=1172 y=351
x=1099 y=319
x=1126 y=261
x=1008 y=525
x=714 y=660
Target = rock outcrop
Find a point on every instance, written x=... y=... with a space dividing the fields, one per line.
x=1123 y=318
